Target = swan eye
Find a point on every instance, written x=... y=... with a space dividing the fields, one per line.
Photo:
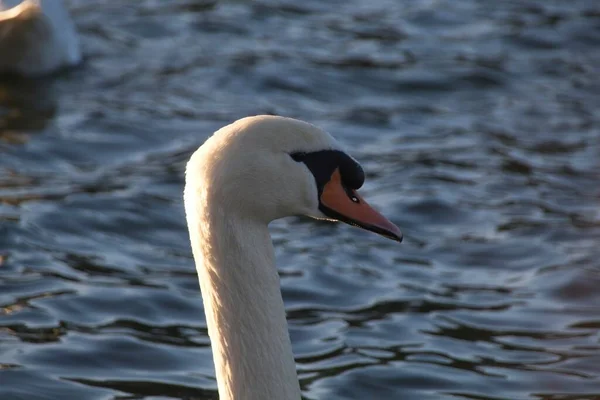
x=351 y=195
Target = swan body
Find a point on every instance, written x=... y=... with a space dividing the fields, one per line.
x=246 y=175
x=37 y=37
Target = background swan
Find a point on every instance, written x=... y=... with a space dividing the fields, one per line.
x=36 y=37
x=246 y=175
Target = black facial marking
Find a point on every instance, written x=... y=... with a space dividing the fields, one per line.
x=323 y=163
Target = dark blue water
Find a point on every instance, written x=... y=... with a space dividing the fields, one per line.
x=477 y=122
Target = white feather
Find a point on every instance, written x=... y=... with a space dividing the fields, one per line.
x=241 y=179
x=37 y=37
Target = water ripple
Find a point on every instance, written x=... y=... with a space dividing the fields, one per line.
x=477 y=126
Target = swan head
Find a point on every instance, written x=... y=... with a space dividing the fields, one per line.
x=269 y=167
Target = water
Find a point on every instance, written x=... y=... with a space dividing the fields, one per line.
x=477 y=123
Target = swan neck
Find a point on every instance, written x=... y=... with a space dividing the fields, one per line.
x=244 y=308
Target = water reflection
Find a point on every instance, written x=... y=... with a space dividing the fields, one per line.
x=26 y=106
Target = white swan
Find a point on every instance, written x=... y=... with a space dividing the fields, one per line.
x=37 y=37
x=246 y=175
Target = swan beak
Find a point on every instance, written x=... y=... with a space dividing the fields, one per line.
x=348 y=206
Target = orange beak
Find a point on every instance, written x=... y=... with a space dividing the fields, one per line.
x=348 y=206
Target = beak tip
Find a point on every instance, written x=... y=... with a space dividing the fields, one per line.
x=392 y=232
x=395 y=233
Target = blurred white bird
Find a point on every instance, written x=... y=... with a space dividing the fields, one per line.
x=37 y=37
